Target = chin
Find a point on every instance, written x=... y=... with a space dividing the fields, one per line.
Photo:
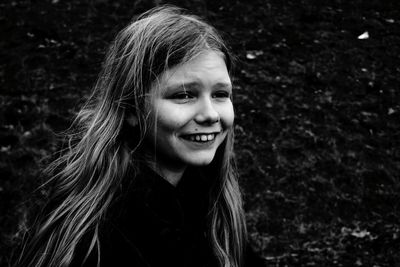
x=200 y=160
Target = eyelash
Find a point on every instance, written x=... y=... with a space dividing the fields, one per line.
x=188 y=95
x=182 y=95
x=222 y=94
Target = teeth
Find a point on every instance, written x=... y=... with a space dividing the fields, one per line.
x=201 y=137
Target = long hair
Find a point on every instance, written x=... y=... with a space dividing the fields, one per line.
x=104 y=145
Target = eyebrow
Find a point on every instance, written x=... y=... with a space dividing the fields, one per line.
x=218 y=85
x=223 y=85
x=182 y=85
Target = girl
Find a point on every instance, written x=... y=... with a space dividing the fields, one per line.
x=149 y=178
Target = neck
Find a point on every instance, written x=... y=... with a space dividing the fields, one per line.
x=171 y=173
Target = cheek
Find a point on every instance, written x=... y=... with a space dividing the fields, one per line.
x=227 y=115
x=170 y=118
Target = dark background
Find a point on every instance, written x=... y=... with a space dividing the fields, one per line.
x=317 y=115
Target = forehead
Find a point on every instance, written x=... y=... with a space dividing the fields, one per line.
x=207 y=67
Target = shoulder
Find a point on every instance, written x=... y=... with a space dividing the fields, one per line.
x=113 y=249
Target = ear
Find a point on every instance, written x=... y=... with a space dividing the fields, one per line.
x=132 y=120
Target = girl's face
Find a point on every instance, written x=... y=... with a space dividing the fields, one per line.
x=192 y=110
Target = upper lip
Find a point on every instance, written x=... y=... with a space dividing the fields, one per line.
x=201 y=133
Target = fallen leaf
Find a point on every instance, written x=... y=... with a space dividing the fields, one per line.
x=254 y=54
x=250 y=55
x=363 y=36
x=361 y=234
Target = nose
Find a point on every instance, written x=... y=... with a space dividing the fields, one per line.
x=207 y=114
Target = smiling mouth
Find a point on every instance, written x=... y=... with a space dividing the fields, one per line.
x=202 y=138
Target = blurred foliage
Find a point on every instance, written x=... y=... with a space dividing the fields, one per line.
x=317 y=115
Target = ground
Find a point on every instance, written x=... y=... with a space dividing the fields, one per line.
x=317 y=115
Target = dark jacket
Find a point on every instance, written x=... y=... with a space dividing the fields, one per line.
x=156 y=224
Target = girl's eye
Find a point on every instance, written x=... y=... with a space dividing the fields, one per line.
x=181 y=96
x=222 y=94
